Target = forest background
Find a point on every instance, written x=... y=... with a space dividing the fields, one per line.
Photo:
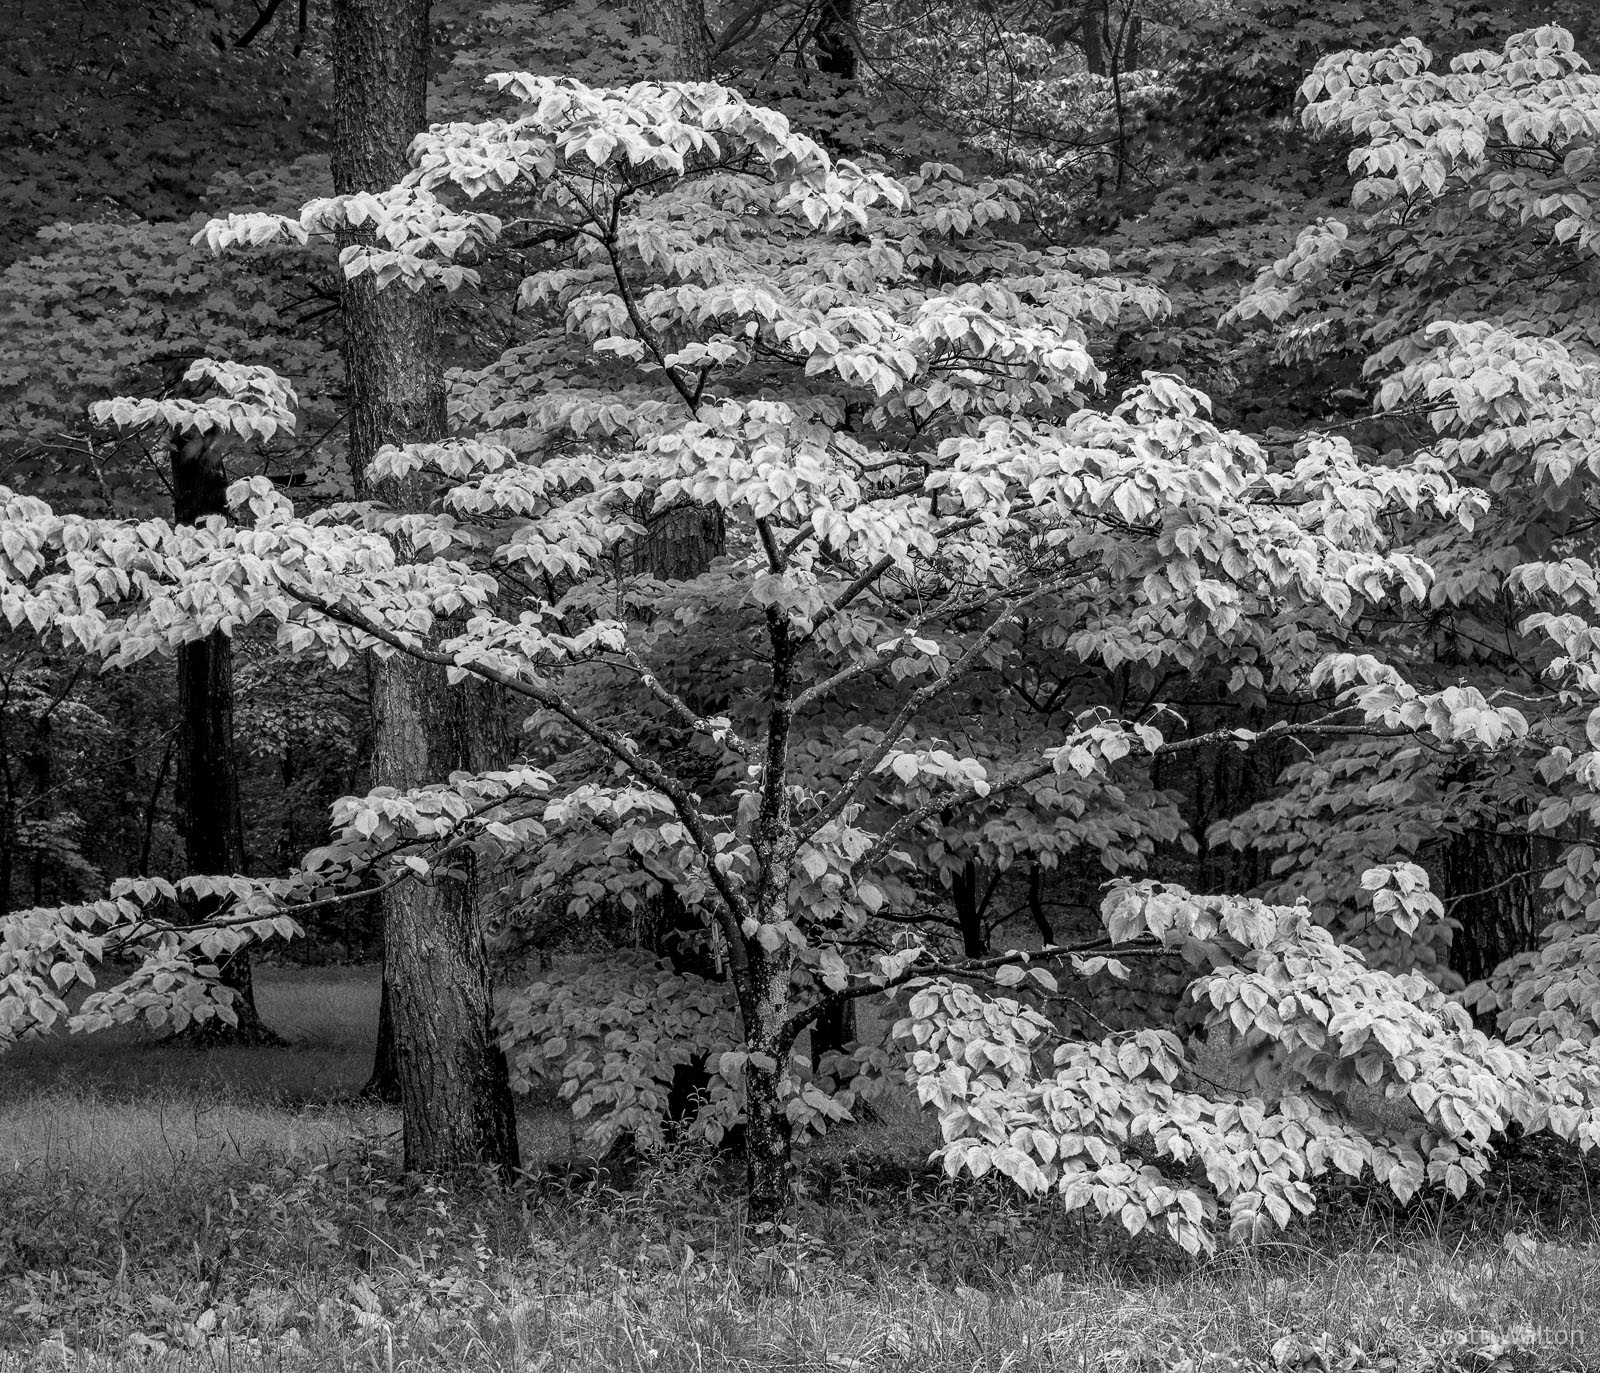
x=1161 y=150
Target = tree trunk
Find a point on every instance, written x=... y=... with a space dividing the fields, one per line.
x=769 y=1135
x=455 y=1095
x=1094 y=34
x=383 y=1083
x=833 y=1032
x=1041 y=921
x=835 y=38
x=681 y=543
x=681 y=26
x=969 y=908
x=208 y=808
x=1491 y=885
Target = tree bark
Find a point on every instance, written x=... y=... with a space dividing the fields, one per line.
x=681 y=26
x=455 y=1095
x=208 y=809
x=1094 y=34
x=1492 y=886
x=769 y=1134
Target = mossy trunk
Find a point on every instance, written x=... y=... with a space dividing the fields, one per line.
x=769 y=1136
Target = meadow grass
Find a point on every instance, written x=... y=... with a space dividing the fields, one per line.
x=166 y=1207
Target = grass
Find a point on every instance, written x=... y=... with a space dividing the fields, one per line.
x=171 y=1208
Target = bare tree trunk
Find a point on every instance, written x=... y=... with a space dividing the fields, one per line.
x=1094 y=35
x=681 y=26
x=455 y=1096
x=208 y=807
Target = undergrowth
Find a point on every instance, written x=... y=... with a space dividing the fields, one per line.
x=311 y=1252
x=162 y=1209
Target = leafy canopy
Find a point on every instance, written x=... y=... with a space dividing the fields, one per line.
x=890 y=402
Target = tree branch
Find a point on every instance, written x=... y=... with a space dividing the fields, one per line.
x=919 y=698
x=1033 y=772
x=615 y=743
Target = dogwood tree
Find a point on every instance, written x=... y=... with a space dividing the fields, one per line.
x=894 y=405
x=1463 y=284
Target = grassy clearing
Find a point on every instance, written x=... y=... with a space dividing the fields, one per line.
x=206 y=1210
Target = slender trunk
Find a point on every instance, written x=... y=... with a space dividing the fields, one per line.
x=769 y=1135
x=455 y=1095
x=38 y=762
x=8 y=817
x=969 y=910
x=208 y=809
x=1041 y=921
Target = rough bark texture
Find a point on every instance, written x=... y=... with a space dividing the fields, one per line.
x=769 y=1134
x=455 y=1096
x=208 y=810
x=681 y=26
x=681 y=542
x=1491 y=885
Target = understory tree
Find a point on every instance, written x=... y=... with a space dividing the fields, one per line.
x=893 y=405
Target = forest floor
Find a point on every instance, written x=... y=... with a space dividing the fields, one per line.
x=175 y=1208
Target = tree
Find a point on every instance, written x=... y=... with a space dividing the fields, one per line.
x=1473 y=325
x=454 y=1094
x=681 y=27
x=207 y=768
x=893 y=401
